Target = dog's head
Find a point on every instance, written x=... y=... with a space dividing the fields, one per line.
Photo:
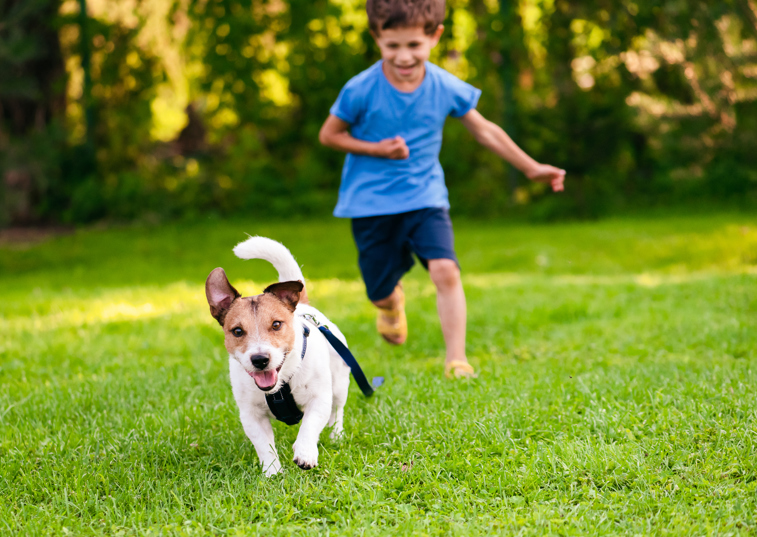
x=259 y=330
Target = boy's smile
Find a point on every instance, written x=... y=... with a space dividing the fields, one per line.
x=405 y=51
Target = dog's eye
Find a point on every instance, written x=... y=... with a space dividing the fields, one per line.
x=276 y=325
x=238 y=332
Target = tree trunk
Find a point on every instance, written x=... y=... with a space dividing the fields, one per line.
x=32 y=96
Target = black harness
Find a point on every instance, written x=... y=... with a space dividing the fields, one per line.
x=282 y=403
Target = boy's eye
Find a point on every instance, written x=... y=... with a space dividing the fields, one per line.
x=276 y=325
x=414 y=45
x=237 y=332
x=393 y=46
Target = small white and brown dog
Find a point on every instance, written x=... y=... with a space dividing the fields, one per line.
x=265 y=336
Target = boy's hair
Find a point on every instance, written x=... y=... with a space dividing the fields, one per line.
x=386 y=14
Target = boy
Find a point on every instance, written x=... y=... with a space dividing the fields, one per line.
x=389 y=119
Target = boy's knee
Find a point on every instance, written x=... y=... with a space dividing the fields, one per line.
x=390 y=302
x=384 y=303
x=444 y=273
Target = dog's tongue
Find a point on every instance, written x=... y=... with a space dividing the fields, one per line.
x=265 y=379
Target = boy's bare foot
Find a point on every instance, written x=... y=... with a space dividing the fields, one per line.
x=391 y=321
x=459 y=369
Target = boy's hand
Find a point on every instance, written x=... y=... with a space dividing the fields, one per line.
x=393 y=148
x=544 y=173
x=335 y=133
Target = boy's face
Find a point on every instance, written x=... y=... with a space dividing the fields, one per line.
x=404 y=51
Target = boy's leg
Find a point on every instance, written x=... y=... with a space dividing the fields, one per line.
x=391 y=302
x=450 y=303
x=433 y=242
x=392 y=321
x=384 y=257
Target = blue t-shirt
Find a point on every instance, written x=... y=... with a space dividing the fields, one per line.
x=376 y=110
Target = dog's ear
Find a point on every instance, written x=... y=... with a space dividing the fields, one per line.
x=220 y=294
x=287 y=292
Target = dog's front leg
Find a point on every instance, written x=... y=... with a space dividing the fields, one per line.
x=258 y=429
x=316 y=416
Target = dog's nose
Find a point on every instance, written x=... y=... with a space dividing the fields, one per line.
x=259 y=360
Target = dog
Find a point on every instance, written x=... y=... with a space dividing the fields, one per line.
x=266 y=338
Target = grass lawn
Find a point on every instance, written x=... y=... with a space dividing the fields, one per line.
x=617 y=390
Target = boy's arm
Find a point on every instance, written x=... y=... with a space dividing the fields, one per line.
x=335 y=134
x=491 y=136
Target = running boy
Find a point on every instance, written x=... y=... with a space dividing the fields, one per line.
x=389 y=119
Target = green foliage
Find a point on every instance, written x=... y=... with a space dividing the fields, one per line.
x=643 y=103
x=31 y=103
x=617 y=384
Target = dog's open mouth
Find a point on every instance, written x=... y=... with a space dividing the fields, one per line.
x=265 y=380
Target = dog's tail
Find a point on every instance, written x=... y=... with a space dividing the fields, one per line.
x=273 y=252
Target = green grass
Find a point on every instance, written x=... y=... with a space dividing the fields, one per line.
x=617 y=390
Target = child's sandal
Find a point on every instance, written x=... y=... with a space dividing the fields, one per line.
x=459 y=369
x=392 y=324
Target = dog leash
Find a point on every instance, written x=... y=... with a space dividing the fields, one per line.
x=282 y=404
x=347 y=356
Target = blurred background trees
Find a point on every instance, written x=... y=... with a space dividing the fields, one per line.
x=171 y=108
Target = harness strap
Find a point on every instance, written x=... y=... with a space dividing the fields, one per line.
x=281 y=403
x=349 y=359
x=283 y=407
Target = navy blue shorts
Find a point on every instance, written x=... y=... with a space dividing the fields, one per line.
x=386 y=245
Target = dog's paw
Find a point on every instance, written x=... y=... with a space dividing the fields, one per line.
x=336 y=434
x=306 y=458
x=272 y=468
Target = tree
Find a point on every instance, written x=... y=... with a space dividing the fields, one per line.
x=32 y=101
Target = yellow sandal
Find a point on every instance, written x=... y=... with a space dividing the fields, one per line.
x=459 y=369
x=392 y=324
